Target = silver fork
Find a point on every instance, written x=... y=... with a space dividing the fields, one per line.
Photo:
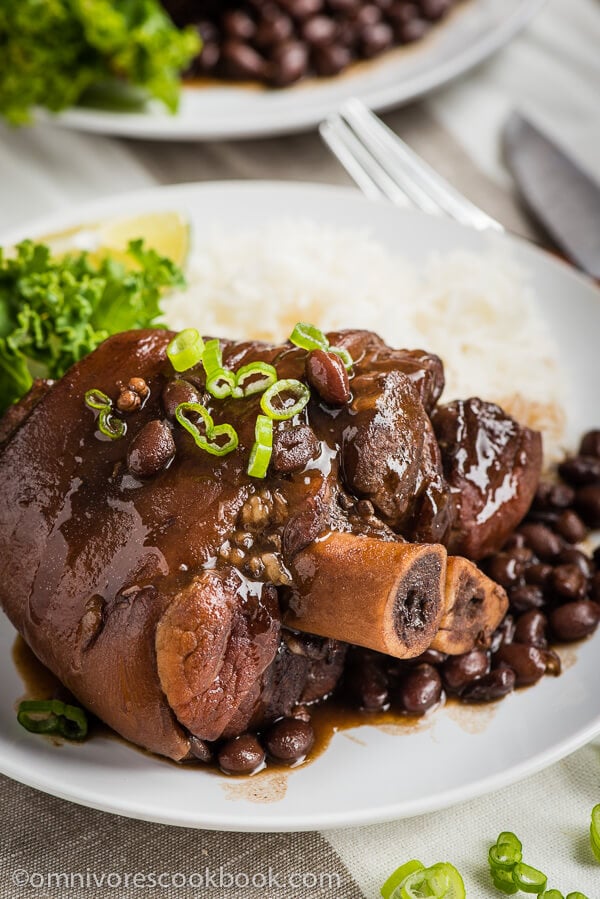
x=382 y=165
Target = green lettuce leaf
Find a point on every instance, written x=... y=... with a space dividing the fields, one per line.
x=53 y=311
x=53 y=51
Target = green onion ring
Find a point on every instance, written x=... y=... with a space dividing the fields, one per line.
x=67 y=720
x=399 y=875
x=529 y=879
x=259 y=385
x=209 y=442
x=553 y=894
x=308 y=337
x=110 y=425
x=344 y=355
x=504 y=856
x=262 y=450
x=95 y=399
x=287 y=385
x=185 y=350
x=221 y=383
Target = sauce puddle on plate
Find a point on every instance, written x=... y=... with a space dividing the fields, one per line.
x=270 y=784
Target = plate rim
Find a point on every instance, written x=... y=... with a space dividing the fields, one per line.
x=293 y=119
x=297 y=821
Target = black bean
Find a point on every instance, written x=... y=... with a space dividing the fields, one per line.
x=200 y=749
x=241 y=755
x=580 y=470
x=576 y=557
x=421 y=689
x=151 y=450
x=458 y=671
x=319 y=31
x=526 y=597
x=332 y=59
x=239 y=25
x=575 y=620
x=505 y=569
x=569 y=581
x=290 y=739
x=570 y=526
x=376 y=38
x=515 y=541
x=290 y=62
x=550 y=497
x=526 y=661
x=504 y=633
x=242 y=61
x=432 y=657
x=492 y=686
x=538 y=574
x=402 y=13
x=545 y=544
x=326 y=373
x=435 y=9
x=590 y=444
x=531 y=629
x=414 y=30
x=368 y=683
x=587 y=503
x=175 y=392
x=273 y=29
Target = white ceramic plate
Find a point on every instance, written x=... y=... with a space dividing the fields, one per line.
x=367 y=775
x=474 y=31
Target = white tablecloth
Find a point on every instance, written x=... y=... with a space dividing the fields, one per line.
x=553 y=72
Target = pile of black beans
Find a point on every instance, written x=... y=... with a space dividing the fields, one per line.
x=554 y=591
x=278 y=42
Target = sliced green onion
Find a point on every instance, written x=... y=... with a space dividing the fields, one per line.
x=504 y=856
x=308 y=337
x=274 y=403
x=551 y=894
x=53 y=717
x=400 y=874
x=344 y=355
x=221 y=383
x=595 y=831
x=576 y=895
x=110 y=425
x=212 y=358
x=529 y=879
x=262 y=450
x=95 y=399
x=247 y=383
x=503 y=881
x=441 y=881
x=186 y=349
x=507 y=838
x=210 y=441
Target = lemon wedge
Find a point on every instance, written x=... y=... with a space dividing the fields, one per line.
x=166 y=232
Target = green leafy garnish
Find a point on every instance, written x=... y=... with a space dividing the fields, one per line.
x=54 y=51
x=54 y=311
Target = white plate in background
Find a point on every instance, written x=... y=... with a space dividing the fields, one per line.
x=473 y=31
x=367 y=775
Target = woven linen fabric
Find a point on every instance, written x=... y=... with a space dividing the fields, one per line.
x=552 y=71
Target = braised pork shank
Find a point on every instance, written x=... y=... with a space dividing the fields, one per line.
x=182 y=600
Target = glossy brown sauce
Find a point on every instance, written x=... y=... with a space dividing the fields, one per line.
x=328 y=718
